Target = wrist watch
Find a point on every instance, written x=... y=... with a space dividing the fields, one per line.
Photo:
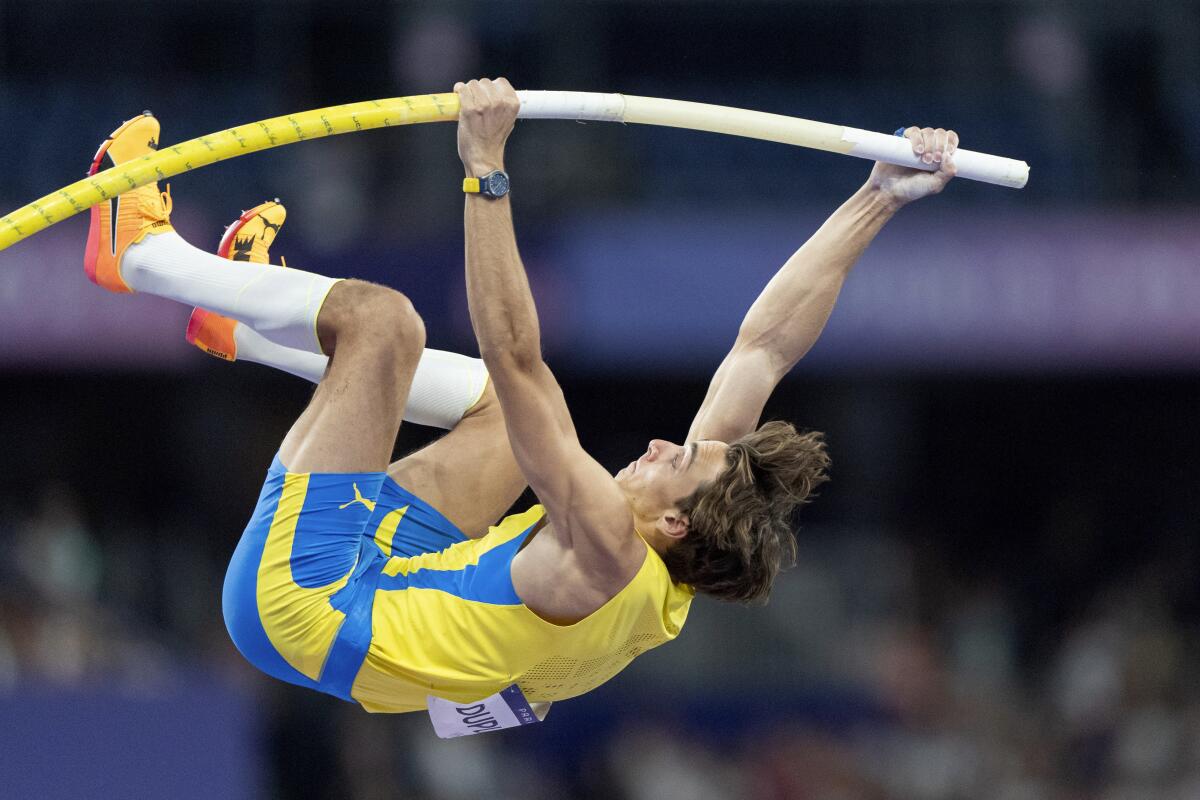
x=493 y=185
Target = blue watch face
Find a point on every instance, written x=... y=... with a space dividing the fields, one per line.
x=497 y=184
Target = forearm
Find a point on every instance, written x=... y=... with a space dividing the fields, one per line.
x=503 y=314
x=790 y=313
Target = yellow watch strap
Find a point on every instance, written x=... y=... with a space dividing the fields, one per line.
x=471 y=185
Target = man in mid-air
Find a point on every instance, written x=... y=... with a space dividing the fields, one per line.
x=391 y=584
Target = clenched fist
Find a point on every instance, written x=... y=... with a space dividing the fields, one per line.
x=487 y=111
x=901 y=185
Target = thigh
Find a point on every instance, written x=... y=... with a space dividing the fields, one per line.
x=351 y=423
x=470 y=475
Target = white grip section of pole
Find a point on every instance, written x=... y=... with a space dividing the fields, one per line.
x=971 y=165
x=571 y=105
x=759 y=125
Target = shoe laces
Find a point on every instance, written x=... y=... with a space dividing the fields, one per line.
x=156 y=205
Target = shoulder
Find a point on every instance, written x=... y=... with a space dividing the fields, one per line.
x=564 y=582
x=606 y=554
x=592 y=525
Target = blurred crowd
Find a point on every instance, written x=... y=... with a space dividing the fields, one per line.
x=1110 y=711
x=75 y=610
x=849 y=686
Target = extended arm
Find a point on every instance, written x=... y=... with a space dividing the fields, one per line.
x=790 y=313
x=581 y=498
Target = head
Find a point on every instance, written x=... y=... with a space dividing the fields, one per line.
x=721 y=514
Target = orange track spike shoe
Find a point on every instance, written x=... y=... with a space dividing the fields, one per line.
x=249 y=238
x=126 y=219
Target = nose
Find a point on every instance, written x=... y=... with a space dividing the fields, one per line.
x=656 y=448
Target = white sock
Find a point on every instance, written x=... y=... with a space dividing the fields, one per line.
x=281 y=304
x=253 y=346
x=445 y=387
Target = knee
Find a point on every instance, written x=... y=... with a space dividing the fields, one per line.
x=371 y=313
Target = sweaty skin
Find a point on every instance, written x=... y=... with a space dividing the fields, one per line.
x=592 y=544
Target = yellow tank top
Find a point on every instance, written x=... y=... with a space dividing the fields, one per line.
x=449 y=624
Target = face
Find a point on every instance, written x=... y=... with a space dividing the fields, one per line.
x=667 y=473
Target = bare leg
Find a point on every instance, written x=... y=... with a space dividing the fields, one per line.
x=470 y=474
x=374 y=339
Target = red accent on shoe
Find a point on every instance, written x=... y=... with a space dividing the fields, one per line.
x=195 y=323
x=92 y=248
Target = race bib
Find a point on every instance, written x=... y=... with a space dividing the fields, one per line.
x=505 y=709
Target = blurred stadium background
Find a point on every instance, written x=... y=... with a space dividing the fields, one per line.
x=998 y=595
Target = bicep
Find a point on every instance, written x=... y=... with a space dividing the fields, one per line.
x=581 y=498
x=736 y=396
x=535 y=411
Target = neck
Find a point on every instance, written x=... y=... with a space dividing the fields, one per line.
x=651 y=536
x=647 y=527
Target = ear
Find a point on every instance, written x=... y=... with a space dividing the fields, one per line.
x=673 y=524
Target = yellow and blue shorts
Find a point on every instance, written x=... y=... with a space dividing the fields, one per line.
x=300 y=587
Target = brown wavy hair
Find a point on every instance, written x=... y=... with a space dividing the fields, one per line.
x=740 y=525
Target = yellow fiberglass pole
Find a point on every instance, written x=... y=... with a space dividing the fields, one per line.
x=204 y=150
